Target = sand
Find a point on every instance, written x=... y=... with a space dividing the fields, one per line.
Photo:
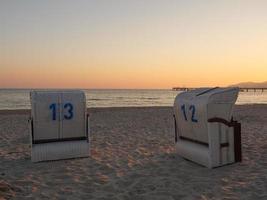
x=132 y=157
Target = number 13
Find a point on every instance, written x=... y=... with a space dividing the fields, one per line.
x=67 y=106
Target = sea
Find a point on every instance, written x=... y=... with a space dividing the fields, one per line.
x=11 y=99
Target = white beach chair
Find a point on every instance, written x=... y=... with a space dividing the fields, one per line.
x=204 y=129
x=59 y=125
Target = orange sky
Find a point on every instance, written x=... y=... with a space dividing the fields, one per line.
x=132 y=44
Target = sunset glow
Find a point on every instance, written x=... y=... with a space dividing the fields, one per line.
x=132 y=44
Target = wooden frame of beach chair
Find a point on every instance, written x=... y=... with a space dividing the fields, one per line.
x=61 y=147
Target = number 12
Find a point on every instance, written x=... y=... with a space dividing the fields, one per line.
x=192 y=108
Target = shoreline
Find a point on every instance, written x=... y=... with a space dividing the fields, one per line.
x=28 y=111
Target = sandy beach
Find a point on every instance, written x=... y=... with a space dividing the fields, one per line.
x=132 y=157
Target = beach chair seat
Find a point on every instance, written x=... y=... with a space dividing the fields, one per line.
x=205 y=131
x=59 y=125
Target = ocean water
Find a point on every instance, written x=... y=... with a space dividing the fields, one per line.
x=19 y=98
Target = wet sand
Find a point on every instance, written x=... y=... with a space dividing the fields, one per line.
x=132 y=157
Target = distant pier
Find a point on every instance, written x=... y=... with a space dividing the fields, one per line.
x=184 y=89
x=241 y=89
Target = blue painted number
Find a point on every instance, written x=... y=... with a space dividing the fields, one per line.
x=184 y=112
x=53 y=107
x=67 y=106
x=192 y=108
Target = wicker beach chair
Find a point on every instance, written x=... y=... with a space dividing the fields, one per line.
x=205 y=131
x=59 y=125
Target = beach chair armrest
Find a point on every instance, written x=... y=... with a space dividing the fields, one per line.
x=87 y=126
x=30 y=123
x=223 y=121
x=175 y=129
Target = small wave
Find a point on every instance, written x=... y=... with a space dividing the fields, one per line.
x=150 y=98
x=97 y=99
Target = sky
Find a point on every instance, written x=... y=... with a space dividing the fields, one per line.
x=132 y=44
